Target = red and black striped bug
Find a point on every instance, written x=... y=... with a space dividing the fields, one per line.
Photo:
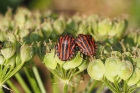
x=66 y=47
x=86 y=44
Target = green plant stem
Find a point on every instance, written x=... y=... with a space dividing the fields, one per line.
x=32 y=80
x=90 y=86
x=37 y=76
x=55 y=86
x=1 y=90
x=14 y=88
x=13 y=72
x=22 y=83
x=100 y=89
x=124 y=87
x=109 y=85
x=117 y=86
x=131 y=89
x=65 y=88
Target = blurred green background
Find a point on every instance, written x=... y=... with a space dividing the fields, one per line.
x=110 y=8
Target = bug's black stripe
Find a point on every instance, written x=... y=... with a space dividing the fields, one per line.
x=62 y=49
x=71 y=47
x=80 y=44
x=89 y=38
x=88 y=44
x=85 y=43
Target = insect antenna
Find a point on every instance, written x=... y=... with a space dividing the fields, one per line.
x=85 y=28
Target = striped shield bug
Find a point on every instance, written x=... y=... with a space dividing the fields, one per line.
x=86 y=44
x=66 y=47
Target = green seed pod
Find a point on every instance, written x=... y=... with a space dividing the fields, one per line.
x=92 y=20
x=47 y=29
x=18 y=59
x=74 y=25
x=50 y=60
x=111 y=66
x=104 y=26
x=138 y=40
x=83 y=26
x=112 y=78
x=125 y=69
x=113 y=31
x=2 y=36
x=20 y=19
x=26 y=53
x=11 y=37
x=59 y=25
x=8 y=50
x=1 y=59
x=137 y=62
x=35 y=36
x=96 y=69
x=11 y=61
x=135 y=77
x=120 y=27
x=23 y=33
x=84 y=65
x=73 y=63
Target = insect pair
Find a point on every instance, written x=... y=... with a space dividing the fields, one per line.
x=66 y=46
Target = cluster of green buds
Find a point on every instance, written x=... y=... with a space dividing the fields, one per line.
x=35 y=26
x=12 y=56
x=119 y=71
x=65 y=71
x=132 y=37
x=107 y=29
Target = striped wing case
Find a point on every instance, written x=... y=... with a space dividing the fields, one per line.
x=65 y=47
x=86 y=44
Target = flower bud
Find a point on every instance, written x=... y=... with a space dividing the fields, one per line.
x=93 y=28
x=26 y=53
x=96 y=69
x=23 y=32
x=11 y=61
x=1 y=59
x=138 y=40
x=125 y=69
x=11 y=37
x=8 y=50
x=83 y=27
x=50 y=59
x=2 y=36
x=137 y=62
x=20 y=19
x=74 y=25
x=135 y=77
x=35 y=36
x=111 y=66
x=74 y=62
x=104 y=26
x=113 y=31
x=59 y=25
x=121 y=27
x=47 y=29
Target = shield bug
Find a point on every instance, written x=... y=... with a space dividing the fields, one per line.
x=86 y=44
x=66 y=47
